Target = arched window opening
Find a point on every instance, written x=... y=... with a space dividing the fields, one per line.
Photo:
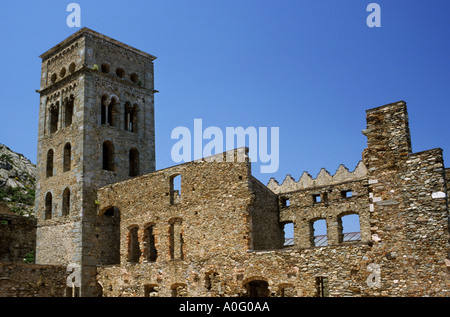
x=66 y=202
x=134 y=119
x=105 y=68
x=108 y=156
x=257 y=288
x=120 y=72
x=175 y=189
x=104 y=110
x=68 y=111
x=67 y=157
x=176 y=239
x=112 y=112
x=53 y=78
x=49 y=168
x=127 y=118
x=48 y=206
x=54 y=115
x=108 y=111
x=134 y=78
x=288 y=228
x=179 y=290
x=72 y=67
x=134 y=162
x=111 y=212
x=318 y=229
x=62 y=73
x=150 y=252
x=134 y=252
x=151 y=290
x=349 y=228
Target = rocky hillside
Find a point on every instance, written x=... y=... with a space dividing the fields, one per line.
x=17 y=181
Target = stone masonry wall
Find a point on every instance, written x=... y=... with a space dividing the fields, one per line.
x=220 y=239
x=31 y=280
x=110 y=132
x=17 y=236
x=409 y=207
x=401 y=201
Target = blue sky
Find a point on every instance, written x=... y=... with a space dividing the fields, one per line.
x=309 y=67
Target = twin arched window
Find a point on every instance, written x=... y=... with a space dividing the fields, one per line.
x=109 y=112
x=67 y=114
x=108 y=159
x=48 y=211
x=67 y=160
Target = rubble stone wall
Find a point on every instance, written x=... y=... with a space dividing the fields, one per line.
x=32 y=280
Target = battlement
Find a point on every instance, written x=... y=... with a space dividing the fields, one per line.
x=324 y=178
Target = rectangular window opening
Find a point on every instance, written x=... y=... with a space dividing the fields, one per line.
x=322 y=286
x=316 y=198
x=285 y=202
x=346 y=193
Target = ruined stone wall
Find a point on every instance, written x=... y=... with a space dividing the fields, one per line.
x=17 y=237
x=212 y=221
x=267 y=231
x=328 y=197
x=287 y=273
x=409 y=208
x=305 y=208
x=400 y=198
x=31 y=280
x=226 y=215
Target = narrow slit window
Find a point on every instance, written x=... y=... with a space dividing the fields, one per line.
x=68 y=111
x=319 y=233
x=134 y=251
x=66 y=202
x=108 y=156
x=49 y=168
x=134 y=162
x=322 y=286
x=175 y=189
x=127 y=117
x=151 y=253
x=67 y=157
x=134 y=119
x=48 y=206
x=103 y=110
x=54 y=116
x=176 y=239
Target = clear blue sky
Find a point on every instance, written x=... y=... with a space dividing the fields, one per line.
x=309 y=67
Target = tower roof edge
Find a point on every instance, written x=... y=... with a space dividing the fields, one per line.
x=91 y=32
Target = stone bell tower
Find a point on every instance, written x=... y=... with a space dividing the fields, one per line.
x=96 y=127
